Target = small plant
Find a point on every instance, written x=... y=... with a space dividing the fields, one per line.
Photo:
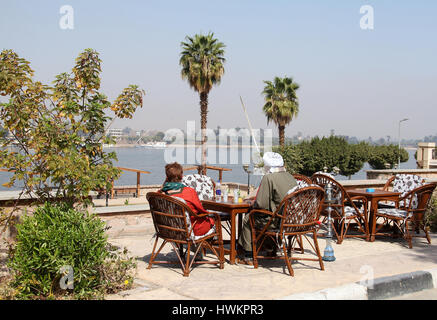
x=116 y=272
x=58 y=238
x=126 y=202
x=431 y=214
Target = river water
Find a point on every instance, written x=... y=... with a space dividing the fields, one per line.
x=154 y=160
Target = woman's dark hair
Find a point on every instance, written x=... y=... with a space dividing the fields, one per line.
x=173 y=172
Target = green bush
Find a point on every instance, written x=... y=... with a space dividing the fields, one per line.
x=382 y=155
x=291 y=156
x=57 y=236
x=309 y=157
x=431 y=215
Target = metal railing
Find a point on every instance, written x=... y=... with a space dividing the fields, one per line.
x=199 y=170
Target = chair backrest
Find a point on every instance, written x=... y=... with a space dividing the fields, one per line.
x=302 y=180
x=171 y=217
x=300 y=186
x=323 y=179
x=404 y=183
x=204 y=185
x=339 y=194
x=301 y=209
x=419 y=198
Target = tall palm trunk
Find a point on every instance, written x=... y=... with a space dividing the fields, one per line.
x=281 y=130
x=203 y=120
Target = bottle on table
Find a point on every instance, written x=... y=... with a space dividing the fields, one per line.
x=225 y=195
x=235 y=196
x=240 y=199
x=218 y=192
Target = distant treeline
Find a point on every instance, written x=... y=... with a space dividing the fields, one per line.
x=337 y=154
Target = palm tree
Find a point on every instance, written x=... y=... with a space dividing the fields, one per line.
x=281 y=103
x=202 y=66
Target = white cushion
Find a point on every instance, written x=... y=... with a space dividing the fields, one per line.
x=394 y=212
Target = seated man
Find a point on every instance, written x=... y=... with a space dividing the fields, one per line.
x=272 y=190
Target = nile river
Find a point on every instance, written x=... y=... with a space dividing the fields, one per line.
x=154 y=160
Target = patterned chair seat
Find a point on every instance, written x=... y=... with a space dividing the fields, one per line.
x=397 y=213
x=350 y=211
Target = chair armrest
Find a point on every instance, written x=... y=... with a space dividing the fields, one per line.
x=388 y=183
x=208 y=214
x=252 y=212
x=359 y=198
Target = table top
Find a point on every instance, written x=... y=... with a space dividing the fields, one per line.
x=228 y=204
x=375 y=193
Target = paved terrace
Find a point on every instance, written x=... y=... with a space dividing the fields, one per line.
x=356 y=260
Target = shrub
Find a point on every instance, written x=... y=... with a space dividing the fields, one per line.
x=309 y=157
x=382 y=155
x=431 y=216
x=57 y=236
x=59 y=130
x=291 y=156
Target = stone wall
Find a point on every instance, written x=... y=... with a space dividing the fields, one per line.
x=430 y=174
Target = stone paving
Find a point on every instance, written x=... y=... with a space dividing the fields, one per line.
x=356 y=260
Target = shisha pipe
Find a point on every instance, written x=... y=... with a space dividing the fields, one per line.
x=329 y=251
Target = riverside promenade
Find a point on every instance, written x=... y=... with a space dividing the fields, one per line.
x=388 y=264
x=394 y=268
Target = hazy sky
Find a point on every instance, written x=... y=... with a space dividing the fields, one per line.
x=357 y=82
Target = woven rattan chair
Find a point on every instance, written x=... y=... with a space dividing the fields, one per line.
x=171 y=218
x=409 y=214
x=298 y=215
x=345 y=210
x=302 y=182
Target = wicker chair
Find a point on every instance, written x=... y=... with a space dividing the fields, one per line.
x=298 y=215
x=345 y=209
x=402 y=183
x=171 y=218
x=302 y=182
x=410 y=210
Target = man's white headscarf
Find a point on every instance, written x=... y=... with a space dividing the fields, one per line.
x=273 y=162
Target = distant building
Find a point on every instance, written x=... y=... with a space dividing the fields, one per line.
x=115 y=133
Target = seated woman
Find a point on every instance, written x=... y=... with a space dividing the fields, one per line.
x=174 y=187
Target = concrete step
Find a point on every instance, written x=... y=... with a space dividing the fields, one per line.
x=126 y=209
